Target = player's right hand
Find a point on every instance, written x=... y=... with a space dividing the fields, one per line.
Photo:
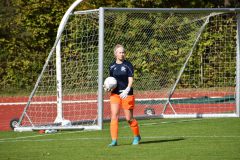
x=107 y=89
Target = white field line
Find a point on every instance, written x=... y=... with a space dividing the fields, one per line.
x=26 y=138
x=107 y=138
x=40 y=135
x=167 y=122
x=72 y=132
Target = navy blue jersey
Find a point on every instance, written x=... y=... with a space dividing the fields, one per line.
x=121 y=72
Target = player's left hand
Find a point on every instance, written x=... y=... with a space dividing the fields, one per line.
x=124 y=93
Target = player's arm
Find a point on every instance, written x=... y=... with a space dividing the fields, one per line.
x=130 y=82
x=125 y=92
x=130 y=75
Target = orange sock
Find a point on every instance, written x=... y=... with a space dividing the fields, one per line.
x=114 y=129
x=134 y=126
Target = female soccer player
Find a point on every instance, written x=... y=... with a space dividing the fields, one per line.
x=122 y=96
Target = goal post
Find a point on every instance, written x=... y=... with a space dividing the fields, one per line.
x=186 y=64
x=238 y=66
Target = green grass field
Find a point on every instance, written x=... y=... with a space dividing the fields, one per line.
x=168 y=139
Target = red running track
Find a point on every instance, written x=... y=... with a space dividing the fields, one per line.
x=12 y=107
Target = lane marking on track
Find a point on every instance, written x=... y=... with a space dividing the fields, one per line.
x=95 y=101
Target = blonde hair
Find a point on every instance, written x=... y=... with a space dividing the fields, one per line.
x=118 y=46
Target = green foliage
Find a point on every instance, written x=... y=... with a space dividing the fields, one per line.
x=211 y=56
x=26 y=37
x=158 y=45
x=28 y=30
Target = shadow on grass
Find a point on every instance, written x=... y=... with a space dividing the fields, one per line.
x=162 y=140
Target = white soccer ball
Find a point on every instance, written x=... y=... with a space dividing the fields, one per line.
x=110 y=83
x=66 y=122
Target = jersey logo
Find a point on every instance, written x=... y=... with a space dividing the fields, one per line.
x=112 y=67
x=123 y=69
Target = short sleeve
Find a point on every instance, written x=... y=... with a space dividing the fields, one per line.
x=130 y=70
x=111 y=70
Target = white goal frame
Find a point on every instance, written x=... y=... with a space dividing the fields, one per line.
x=100 y=100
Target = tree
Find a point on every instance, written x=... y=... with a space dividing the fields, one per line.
x=28 y=30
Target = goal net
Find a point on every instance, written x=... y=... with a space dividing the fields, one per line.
x=185 y=66
x=185 y=62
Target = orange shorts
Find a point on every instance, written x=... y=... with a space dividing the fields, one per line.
x=126 y=103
